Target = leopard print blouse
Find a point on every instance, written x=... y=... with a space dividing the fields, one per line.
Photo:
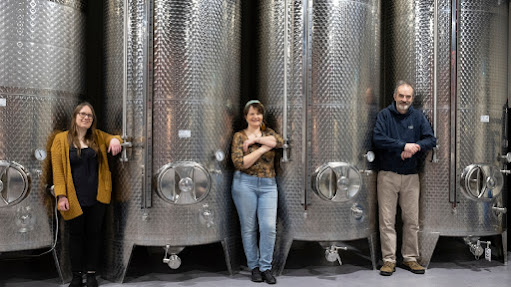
x=264 y=166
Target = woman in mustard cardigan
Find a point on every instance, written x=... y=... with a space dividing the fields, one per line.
x=83 y=187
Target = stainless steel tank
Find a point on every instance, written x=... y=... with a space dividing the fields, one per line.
x=460 y=73
x=319 y=77
x=182 y=95
x=41 y=80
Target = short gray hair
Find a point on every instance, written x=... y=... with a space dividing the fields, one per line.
x=402 y=83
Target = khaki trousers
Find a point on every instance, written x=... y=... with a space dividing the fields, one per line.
x=405 y=188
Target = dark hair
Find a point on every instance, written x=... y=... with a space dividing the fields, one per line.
x=90 y=136
x=259 y=107
x=402 y=83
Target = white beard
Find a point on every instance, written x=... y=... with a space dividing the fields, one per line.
x=403 y=107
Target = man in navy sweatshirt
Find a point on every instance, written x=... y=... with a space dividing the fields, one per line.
x=401 y=133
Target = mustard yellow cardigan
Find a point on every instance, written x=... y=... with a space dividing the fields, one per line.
x=63 y=179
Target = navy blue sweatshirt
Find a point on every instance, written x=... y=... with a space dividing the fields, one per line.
x=393 y=130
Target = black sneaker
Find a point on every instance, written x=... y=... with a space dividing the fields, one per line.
x=91 y=280
x=268 y=277
x=256 y=275
x=77 y=280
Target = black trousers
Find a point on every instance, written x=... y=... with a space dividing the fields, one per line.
x=85 y=238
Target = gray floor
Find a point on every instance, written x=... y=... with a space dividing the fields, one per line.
x=452 y=265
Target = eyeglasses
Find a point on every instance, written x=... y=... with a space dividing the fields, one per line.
x=85 y=115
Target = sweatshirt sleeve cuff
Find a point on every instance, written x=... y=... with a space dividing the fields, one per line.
x=402 y=145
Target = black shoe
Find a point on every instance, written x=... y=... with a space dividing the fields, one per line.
x=256 y=275
x=91 y=280
x=268 y=277
x=77 y=280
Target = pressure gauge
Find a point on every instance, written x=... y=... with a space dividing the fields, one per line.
x=40 y=154
x=370 y=156
x=219 y=155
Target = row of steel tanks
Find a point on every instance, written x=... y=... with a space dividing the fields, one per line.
x=172 y=84
x=42 y=63
x=456 y=54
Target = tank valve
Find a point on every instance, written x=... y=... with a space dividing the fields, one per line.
x=357 y=211
x=497 y=209
x=125 y=145
x=332 y=253
x=477 y=250
x=173 y=260
x=505 y=171
x=507 y=157
x=206 y=216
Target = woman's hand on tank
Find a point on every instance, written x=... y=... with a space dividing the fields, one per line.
x=63 y=204
x=114 y=147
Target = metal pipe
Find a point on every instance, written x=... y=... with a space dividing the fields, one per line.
x=124 y=136
x=148 y=106
x=498 y=209
x=454 y=83
x=435 y=77
x=306 y=66
x=284 y=112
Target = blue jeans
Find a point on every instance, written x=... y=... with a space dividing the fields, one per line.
x=256 y=201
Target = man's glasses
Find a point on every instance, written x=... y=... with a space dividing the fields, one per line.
x=85 y=115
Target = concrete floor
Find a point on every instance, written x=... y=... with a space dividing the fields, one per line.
x=452 y=265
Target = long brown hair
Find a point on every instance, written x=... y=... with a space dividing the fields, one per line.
x=90 y=136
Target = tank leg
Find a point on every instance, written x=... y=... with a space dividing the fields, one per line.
x=61 y=254
x=373 y=247
x=281 y=252
x=504 y=246
x=117 y=260
x=64 y=275
x=427 y=244
x=231 y=247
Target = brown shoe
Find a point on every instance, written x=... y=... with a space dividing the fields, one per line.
x=388 y=268
x=414 y=267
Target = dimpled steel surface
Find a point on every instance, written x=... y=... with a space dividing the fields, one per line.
x=196 y=86
x=42 y=78
x=482 y=87
x=334 y=120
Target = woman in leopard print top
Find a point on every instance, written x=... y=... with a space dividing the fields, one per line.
x=254 y=190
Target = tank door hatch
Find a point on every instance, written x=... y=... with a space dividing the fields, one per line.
x=14 y=183
x=337 y=181
x=481 y=182
x=183 y=182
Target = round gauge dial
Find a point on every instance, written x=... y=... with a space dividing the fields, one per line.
x=370 y=156
x=219 y=155
x=40 y=154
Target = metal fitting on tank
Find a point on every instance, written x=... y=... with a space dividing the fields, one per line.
x=173 y=261
x=332 y=253
x=476 y=249
x=498 y=209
